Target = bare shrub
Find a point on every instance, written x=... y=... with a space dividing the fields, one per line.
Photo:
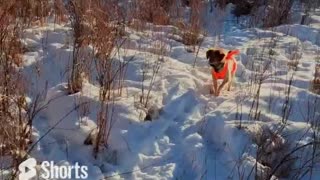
x=105 y=31
x=260 y=76
x=308 y=7
x=191 y=32
x=278 y=13
x=77 y=10
x=271 y=148
x=242 y=8
x=15 y=129
x=145 y=100
x=153 y=11
x=137 y=24
x=190 y=35
x=270 y=13
x=221 y=3
x=60 y=11
x=316 y=80
x=33 y=11
x=146 y=92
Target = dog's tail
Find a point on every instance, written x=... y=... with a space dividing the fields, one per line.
x=232 y=53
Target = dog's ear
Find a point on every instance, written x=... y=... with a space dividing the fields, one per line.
x=221 y=56
x=215 y=54
x=209 y=53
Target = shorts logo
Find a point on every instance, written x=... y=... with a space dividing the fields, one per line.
x=51 y=171
x=27 y=169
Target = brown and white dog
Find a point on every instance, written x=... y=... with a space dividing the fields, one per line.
x=224 y=67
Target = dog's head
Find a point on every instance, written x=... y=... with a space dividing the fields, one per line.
x=215 y=57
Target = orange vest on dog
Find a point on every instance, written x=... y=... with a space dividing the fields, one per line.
x=229 y=57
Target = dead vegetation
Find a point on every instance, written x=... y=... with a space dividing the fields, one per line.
x=277 y=157
x=316 y=80
x=77 y=11
x=15 y=129
x=262 y=13
x=103 y=47
x=191 y=32
x=152 y=11
x=271 y=148
x=308 y=7
x=96 y=35
x=166 y=12
x=60 y=12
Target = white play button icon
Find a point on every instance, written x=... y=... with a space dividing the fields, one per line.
x=27 y=169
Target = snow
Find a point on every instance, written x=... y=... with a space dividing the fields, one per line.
x=194 y=135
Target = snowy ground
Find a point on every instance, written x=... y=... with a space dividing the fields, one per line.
x=196 y=135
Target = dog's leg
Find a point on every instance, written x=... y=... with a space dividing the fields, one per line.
x=215 y=85
x=231 y=82
x=227 y=80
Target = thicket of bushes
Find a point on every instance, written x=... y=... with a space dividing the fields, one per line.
x=266 y=13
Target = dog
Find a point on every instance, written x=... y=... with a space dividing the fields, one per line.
x=224 y=67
